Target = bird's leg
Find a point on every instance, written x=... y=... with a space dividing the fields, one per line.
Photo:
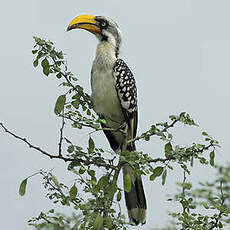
x=123 y=128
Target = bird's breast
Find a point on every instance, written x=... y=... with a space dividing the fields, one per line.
x=104 y=95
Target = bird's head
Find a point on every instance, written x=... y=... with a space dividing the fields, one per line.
x=104 y=28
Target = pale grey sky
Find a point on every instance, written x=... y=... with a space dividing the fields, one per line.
x=179 y=52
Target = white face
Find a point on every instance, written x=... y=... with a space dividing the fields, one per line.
x=110 y=31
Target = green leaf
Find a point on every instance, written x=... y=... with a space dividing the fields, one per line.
x=35 y=63
x=73 y=192
x=164 y=177
x=212 y=157
x=182 y=114
x=103 y=182
x=206 y=206
x=156 y=173
x=75 y=104
x=22 y=188
x=91 y=146
x=46 y=66
x=59 y=55
x=203 y=160
x=119 y=196
x=187 y=186
x=170 y=167
x=220 y=225
x=127 y=183
x=168 y=147
x=91 y=173
x=204 y=134
x=34 y=51
x=59 y=75
x=88 y=112
x=59 y=106
x=82 y=170
x=70 y=149
x=98 y=222
x=109 y=222
x=173 y=117
x=111 y=189
x=54 y=179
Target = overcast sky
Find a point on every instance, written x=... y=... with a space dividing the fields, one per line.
x=179 y=52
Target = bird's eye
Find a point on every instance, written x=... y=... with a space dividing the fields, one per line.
x=103 y=24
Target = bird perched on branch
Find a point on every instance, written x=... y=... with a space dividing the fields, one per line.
x=114 y=97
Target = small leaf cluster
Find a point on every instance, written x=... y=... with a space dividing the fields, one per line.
x=50 y=59
x=162 y=129
x=206 y=207
x=52 y=220
x=204 y=153
x=96 y=211
x=53 y=63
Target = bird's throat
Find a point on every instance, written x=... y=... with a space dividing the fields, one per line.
x=105 y=55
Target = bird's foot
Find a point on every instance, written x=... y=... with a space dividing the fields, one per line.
x=122 y=128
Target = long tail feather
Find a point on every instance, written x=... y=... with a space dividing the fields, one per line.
x=135 y=198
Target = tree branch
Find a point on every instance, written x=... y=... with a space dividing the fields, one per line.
x=113 y=183
x=217 y=219
x=119 y=129
x=163 y=160
x=61 y=138
x=147 y=135
x=66 y=159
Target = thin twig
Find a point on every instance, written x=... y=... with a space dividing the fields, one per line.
x=44 y=218
x=152 y=134
x=116 y=174
x=163 y=160
x=82 y=124
x=61 y=138
x=55 y=188
x=184 y=206
x=119 y=129
x=217 y=219
x=113 y=183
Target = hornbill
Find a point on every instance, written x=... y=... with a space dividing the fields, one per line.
x=114 y=98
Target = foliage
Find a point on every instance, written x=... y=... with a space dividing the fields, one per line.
x=206 y=207
x=96 y=170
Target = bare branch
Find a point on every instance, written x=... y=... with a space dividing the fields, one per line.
x=61 y=138
x=66 y=159
x=33 y=146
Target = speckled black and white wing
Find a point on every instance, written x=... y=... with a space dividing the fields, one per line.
x=125 y=86
x=127 y=94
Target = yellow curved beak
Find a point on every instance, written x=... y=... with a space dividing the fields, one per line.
x=86 y=22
